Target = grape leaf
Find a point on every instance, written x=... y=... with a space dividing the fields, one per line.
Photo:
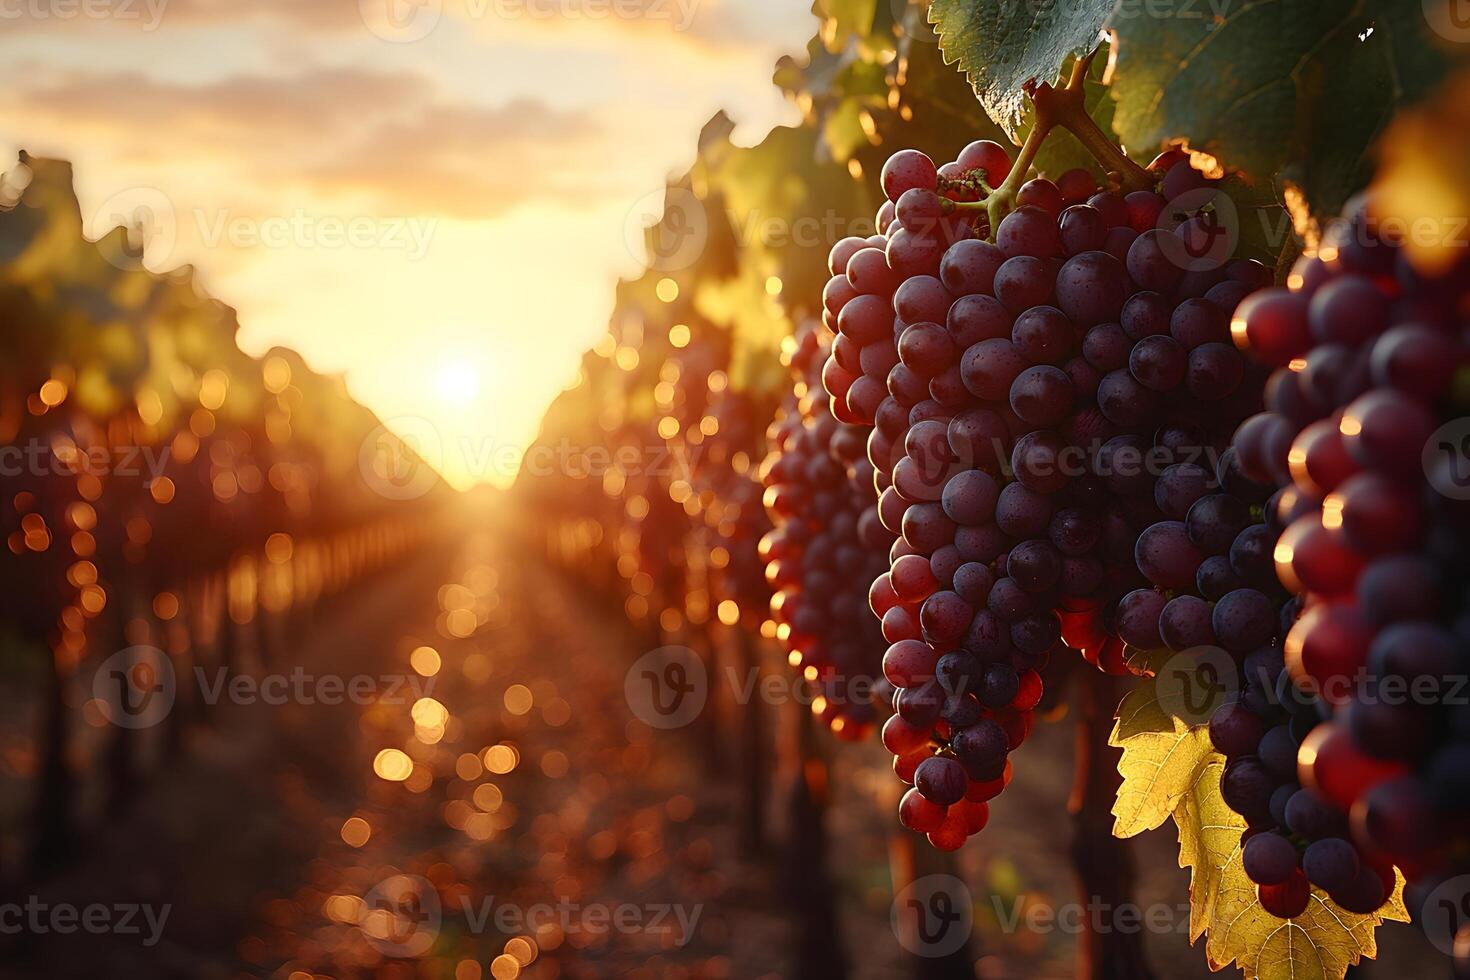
x=1321 y=942
x=1141 y=714
x=1162 y=758
x=1282 y=91
x=843 y=19
x=1209 y=839
x=1002 y=45
x=843 y=130
x=1177 y=774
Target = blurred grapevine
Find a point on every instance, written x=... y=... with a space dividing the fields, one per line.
x=1148 y=242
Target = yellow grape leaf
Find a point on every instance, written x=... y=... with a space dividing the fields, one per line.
x=1209 y=839
x=1140 y=713
x=1322 y=942
x=1319 y=944
x=1162 y=757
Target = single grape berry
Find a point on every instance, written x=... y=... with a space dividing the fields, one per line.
x=1268 y=859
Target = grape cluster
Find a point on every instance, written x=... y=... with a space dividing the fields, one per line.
x=1216 y=597
x=735 y=519
x=1295 y=838
x=1366 y=350
x=1208 y=563
x=826 y=546
x=1028 y=372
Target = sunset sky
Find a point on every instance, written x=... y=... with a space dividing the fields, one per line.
x=433 y=199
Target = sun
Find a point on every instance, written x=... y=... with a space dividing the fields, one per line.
x=458 y=382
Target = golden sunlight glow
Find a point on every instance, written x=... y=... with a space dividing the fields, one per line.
x=425 y=661
x=392 y=765
x=518 y=699
x=1332 y=512
x=429 y=713
x=356 y=832
x=501 y=759
x=729 y=612
x=462 y=296
x=458 y=382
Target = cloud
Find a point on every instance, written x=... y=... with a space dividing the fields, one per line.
x=469 y=161
x=708 y=24
x=390 y=137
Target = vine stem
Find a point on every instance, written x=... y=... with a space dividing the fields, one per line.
x=1102 y=864
x=1067 y=107
x=1001 y=201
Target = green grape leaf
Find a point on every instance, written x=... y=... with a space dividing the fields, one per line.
x=1282 y=91
x=844 y=19
x=843 y=130
x=1002 y=45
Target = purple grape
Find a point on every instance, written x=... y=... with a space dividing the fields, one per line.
x=1091 y=288
x=1029 y=231
x=1137 y=619
x=1243 y=620
x=1185 y=624
x=1268 y=859
x=1023 y=282
x=1166 y=557
x=1042 y=395
x=1158 y=363
x=1043 y=335
x=1179 y=487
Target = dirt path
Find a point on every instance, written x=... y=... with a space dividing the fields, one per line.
x=610 y=854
